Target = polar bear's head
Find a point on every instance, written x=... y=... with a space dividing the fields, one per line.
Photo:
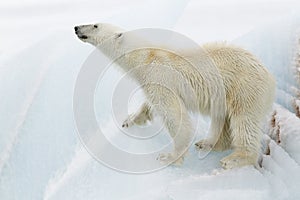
x=96 y=34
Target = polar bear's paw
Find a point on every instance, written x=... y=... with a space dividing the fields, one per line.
x=170 y=158
x=135 y=119
x=237 y=159
x=205 y=144
x=128 y=122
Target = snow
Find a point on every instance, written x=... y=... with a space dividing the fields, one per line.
x=41 y=156
x=286 y=132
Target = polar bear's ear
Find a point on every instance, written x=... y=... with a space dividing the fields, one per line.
x=118 y=35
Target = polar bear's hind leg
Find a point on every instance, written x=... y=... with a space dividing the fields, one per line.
x=246 y=136
x=223 y=142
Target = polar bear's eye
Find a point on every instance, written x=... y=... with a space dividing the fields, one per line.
x=95 y=26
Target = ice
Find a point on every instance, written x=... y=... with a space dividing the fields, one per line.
x=283 y=168
x=286 y=132
x=35 y=146
x=224 y=185
x=41 y=156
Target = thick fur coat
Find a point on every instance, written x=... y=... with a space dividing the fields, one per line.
x=174 y=88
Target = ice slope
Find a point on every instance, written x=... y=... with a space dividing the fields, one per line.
x=42 y=158
x=41 y=88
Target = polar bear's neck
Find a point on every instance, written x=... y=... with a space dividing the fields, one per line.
x=126 y=51
x=117 y=54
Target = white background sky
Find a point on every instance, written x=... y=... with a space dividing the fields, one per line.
x=201 y=20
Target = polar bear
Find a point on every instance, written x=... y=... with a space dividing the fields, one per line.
x=235 y=123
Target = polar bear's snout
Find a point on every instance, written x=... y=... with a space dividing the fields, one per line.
x=96 y=34
x=80 y=33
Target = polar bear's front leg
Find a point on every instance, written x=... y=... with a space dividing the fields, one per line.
x=178 y=123
x=140 y=117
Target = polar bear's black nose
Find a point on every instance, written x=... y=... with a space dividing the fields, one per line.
x=76 y=28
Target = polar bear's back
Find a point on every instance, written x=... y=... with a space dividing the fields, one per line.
x=235 y=59
x=249 y=86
